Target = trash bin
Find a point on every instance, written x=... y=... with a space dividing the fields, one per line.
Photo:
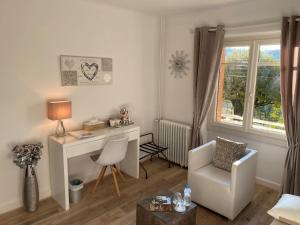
x=75 y=190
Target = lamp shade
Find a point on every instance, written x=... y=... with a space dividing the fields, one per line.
x=58 y=110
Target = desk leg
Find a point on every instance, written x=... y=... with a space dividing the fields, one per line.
x=58 y=164
x=130 y=165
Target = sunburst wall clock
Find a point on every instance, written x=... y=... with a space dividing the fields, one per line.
x=178 y=64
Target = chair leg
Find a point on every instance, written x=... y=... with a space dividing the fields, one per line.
x=115 y=180
x=119 y=172
x=99 y=179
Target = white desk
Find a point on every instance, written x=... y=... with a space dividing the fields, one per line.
x=63 y=148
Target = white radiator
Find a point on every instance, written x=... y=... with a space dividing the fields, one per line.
x=176 y=137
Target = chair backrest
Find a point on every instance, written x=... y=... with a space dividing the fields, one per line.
x=113 y=152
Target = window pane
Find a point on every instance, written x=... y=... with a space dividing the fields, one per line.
x=232 y=84
x=267 y=114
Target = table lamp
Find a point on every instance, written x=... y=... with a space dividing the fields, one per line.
x=59 y=110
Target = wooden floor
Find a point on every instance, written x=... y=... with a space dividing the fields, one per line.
x=105 y=208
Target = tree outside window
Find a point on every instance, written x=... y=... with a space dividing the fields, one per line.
x=233 y=102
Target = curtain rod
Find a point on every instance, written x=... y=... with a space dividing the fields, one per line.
x=249 y=26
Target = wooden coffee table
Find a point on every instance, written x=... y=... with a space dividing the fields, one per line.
x=146 y=217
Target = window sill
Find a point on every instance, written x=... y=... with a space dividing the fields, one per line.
x=251 y=134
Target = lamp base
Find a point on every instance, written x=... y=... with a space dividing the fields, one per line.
x=60 y=129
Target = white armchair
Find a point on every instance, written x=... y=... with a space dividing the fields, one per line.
x=221 y=191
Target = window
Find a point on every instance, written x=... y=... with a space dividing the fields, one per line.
x=248 y=93
x=232 y=84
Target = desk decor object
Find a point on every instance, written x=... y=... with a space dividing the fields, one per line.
x=94 y=124
x=116 y=123
x=125 y=116
x=123 y=120
x=59 y=110
x=81 y=134
x=83 y=70
x=26 y=157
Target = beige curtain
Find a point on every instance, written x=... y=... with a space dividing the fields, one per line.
x=207 y=54
x=290 y=94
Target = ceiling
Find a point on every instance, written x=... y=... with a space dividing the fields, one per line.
x=169 y=6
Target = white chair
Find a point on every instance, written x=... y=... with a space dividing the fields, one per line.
x=221 y=191
x=113 y=153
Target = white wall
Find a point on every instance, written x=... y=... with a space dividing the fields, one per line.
x=33 y=35
x=177 y=93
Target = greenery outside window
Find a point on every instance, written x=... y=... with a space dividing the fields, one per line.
x=248 y=92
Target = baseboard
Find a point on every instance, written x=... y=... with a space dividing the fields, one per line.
x=46 y=193
x=267 y=183
x=17 y=203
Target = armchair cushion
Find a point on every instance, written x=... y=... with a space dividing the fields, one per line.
x=211 y=188
x=217 y=176
x=227 y=152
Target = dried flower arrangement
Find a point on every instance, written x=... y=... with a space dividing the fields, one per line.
x=27 y=154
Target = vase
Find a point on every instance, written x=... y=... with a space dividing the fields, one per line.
x=31 y=190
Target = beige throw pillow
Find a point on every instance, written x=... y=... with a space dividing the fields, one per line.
x=227 y=152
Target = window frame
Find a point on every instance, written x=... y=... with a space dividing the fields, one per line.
x=254 y=43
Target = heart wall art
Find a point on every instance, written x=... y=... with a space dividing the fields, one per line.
x=82 y=70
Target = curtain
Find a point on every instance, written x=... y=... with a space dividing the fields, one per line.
x=290 y=98
x=207 y=55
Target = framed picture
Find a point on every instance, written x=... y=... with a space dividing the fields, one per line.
x=83 y=70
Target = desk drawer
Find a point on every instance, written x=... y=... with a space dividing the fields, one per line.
x=85 y=148
x=134 y=135
x=92 y=146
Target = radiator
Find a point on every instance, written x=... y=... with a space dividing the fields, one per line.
x=176 y=137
